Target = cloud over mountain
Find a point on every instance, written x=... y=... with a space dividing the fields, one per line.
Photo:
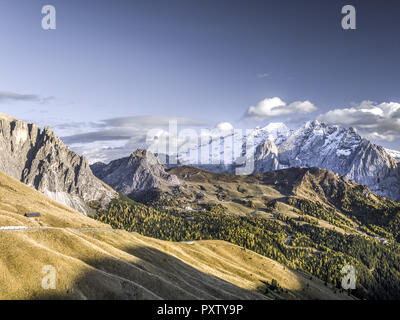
x=109 y=139
x=274 y=107
x=125 y=128
x=374 y=121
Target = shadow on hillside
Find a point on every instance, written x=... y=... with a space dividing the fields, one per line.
x=150 y=274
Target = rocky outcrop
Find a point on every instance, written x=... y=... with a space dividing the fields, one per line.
x=140 y=172
x=40 y=159
x=266 y=157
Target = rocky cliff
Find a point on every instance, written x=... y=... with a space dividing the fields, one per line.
x=40 y=159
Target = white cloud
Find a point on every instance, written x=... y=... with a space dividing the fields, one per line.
x=8 y=95
x=274 y=107
x=224 y=127
x=119 y=139
x=374 y=121
x=123 y=128
x=110 y=139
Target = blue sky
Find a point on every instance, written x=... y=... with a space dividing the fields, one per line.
x=202 y=61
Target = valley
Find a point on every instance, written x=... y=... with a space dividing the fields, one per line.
x=94 y=261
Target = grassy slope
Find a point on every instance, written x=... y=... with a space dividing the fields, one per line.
x=104 y=264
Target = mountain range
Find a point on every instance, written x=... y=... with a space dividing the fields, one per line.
x=37 y=157
x=316 y=144
x=310 y=221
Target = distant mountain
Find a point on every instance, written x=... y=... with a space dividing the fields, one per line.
x=316 y=144
x=40 y=159
x=135 y=175
x=219 y=155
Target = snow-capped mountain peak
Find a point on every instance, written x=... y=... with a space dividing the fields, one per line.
x=316 y=144
x=394 y=154
x=276 y=126
x=274 y=131
x=341 y=150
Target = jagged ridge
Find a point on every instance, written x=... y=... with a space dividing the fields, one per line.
x=40 y=159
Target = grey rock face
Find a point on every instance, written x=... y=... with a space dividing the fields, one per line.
x=139 y=172
x=40 y=159
x=266 y=157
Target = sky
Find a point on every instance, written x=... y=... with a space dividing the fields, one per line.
x=111 y=70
